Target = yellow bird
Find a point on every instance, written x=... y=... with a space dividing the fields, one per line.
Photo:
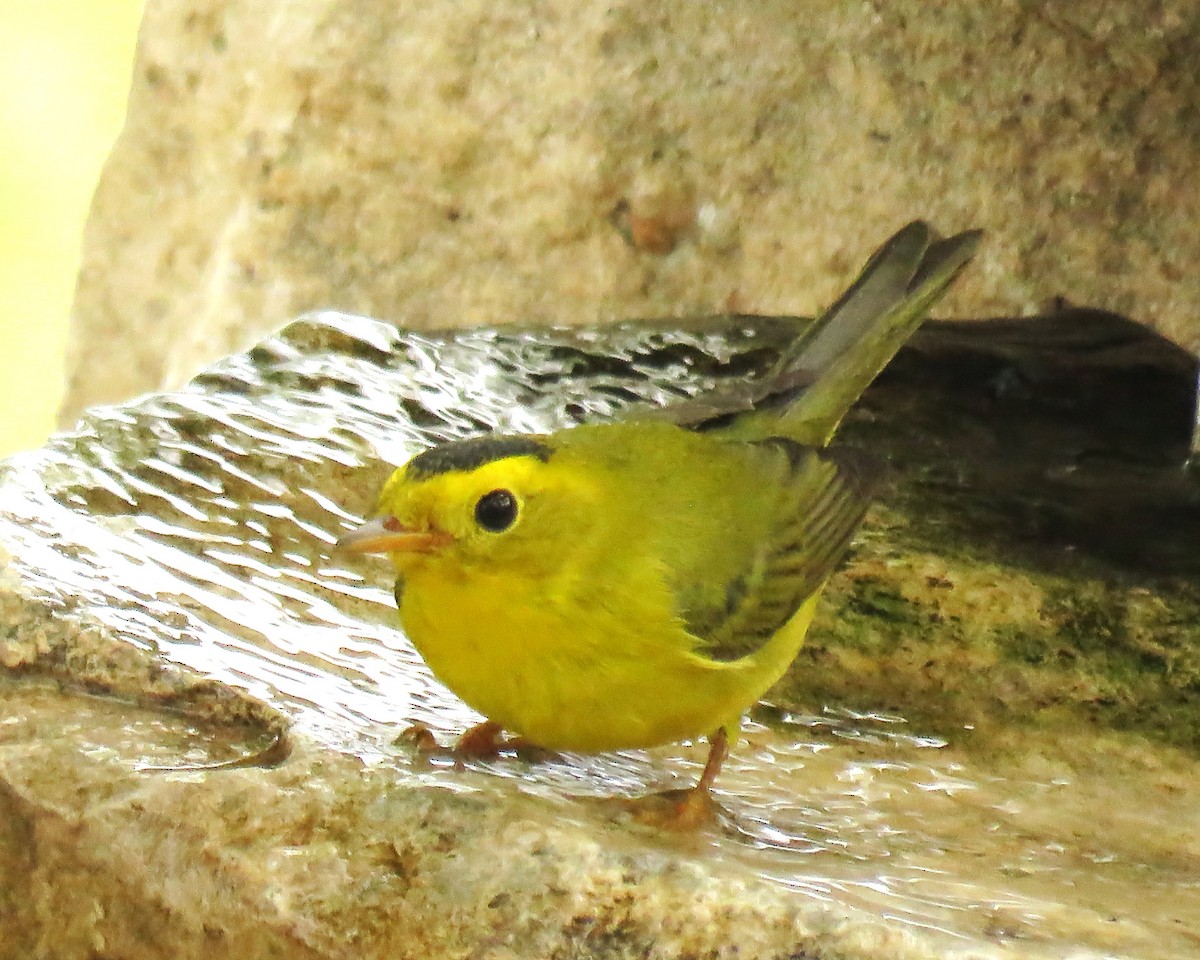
x=630 y=584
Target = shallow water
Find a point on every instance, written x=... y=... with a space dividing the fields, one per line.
x=200 y=524
x=1027 y=850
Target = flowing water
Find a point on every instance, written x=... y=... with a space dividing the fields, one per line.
x=199 y=525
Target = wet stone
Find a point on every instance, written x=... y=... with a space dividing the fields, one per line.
x=991 y=738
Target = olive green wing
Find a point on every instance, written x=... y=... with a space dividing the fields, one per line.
x=822 y=501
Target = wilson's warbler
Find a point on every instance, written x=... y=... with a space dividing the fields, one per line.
x=630 y=584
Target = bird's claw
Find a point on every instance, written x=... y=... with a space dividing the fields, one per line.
x=420 y=738
x=684 y=811
x=484 y=741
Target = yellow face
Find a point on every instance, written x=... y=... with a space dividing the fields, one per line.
x=517 y=511
x=474 y=514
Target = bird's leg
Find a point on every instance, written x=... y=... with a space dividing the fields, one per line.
x=696 y=808
x=691 y=808
x=718 y=750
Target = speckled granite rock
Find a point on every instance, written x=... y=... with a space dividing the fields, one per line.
x=992 y=737
x=489 y=162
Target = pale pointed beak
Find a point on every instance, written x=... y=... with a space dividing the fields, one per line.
x=389 y=535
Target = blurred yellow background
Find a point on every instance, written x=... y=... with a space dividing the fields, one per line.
x=64 y=76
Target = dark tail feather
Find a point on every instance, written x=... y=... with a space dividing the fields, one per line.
x=835 y=360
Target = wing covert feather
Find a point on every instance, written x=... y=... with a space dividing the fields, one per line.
x=825 y=494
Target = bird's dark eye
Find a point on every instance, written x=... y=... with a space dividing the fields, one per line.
x=496 y=511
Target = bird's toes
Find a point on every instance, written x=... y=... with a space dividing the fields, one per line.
x=678 y=810
x=421 y=738
x=481 y=742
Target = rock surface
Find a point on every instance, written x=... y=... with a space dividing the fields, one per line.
x=325 y=859
x=994 y=732
x=489 y=161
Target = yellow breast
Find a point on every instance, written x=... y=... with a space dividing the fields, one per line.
x=581 y=677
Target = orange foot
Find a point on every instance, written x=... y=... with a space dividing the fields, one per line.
x=682 y=810
x=484 y=741
x=685 y=810
x=421 y=738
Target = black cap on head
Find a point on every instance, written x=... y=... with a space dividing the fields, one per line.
x=464 y=455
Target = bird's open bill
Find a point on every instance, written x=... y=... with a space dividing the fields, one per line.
x=388 y=535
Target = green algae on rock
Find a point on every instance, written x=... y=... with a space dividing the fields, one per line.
x=1033 y=559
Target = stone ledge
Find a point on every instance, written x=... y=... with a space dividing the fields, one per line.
x=324 y=858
